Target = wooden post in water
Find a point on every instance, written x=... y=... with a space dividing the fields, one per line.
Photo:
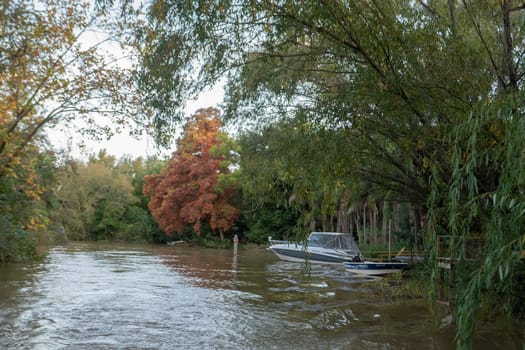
x=235 y=244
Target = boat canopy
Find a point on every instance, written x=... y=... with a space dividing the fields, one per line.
x=333 y=240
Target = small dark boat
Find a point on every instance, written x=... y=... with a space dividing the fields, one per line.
x=372 y=268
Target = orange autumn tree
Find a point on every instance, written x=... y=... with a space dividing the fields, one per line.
x=186 y=191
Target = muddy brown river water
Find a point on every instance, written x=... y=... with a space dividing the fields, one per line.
x=119 y=296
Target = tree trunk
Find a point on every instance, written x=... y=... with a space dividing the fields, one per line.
x=358 y=228
x=364 y=225
x=384 y=224
x=452 y=12
x=343 y=222
x=312 y=225
x=373 y=223
x=508 y=48
x=417 y=227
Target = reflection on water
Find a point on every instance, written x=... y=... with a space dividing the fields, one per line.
x=88 y=296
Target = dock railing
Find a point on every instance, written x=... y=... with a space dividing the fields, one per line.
x=470 y=250
x=409 y=256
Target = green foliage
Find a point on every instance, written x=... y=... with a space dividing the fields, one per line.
x=139 y=226
x=15 y=243
x=269 y=220
x=25 y=197
x=423 y=97
x=142 y=226
x=485 y=202
x=101 y=200
x=51 y=73
x=403 y=218
x=107 y=218
x=207 y=238
x=516 y=291
x=283 y=164
x=333 y=66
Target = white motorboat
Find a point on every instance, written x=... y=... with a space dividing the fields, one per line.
x=320 y=247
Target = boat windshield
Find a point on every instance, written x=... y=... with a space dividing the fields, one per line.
x=331 y=241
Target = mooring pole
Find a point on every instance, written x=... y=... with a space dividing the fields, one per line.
x=235 y=244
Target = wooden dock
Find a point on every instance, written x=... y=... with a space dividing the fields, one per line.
x=446 y=259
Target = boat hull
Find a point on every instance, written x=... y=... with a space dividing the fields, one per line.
x=320 y=247
x=300 y=255
x=374 y=268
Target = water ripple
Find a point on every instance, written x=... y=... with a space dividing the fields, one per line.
x=91 y=296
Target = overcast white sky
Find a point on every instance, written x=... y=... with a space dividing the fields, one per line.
x=123 y=144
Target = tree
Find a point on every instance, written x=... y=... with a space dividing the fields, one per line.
x=338 y=64
x=141 y=225
x=480 y=207
x=186 y=191
x=94 y=199
x=296 y=164
x=56 y=69
x=409 y=79
x=25 y=201
x=102 y=199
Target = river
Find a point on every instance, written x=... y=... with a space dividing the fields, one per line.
x=120 y=296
